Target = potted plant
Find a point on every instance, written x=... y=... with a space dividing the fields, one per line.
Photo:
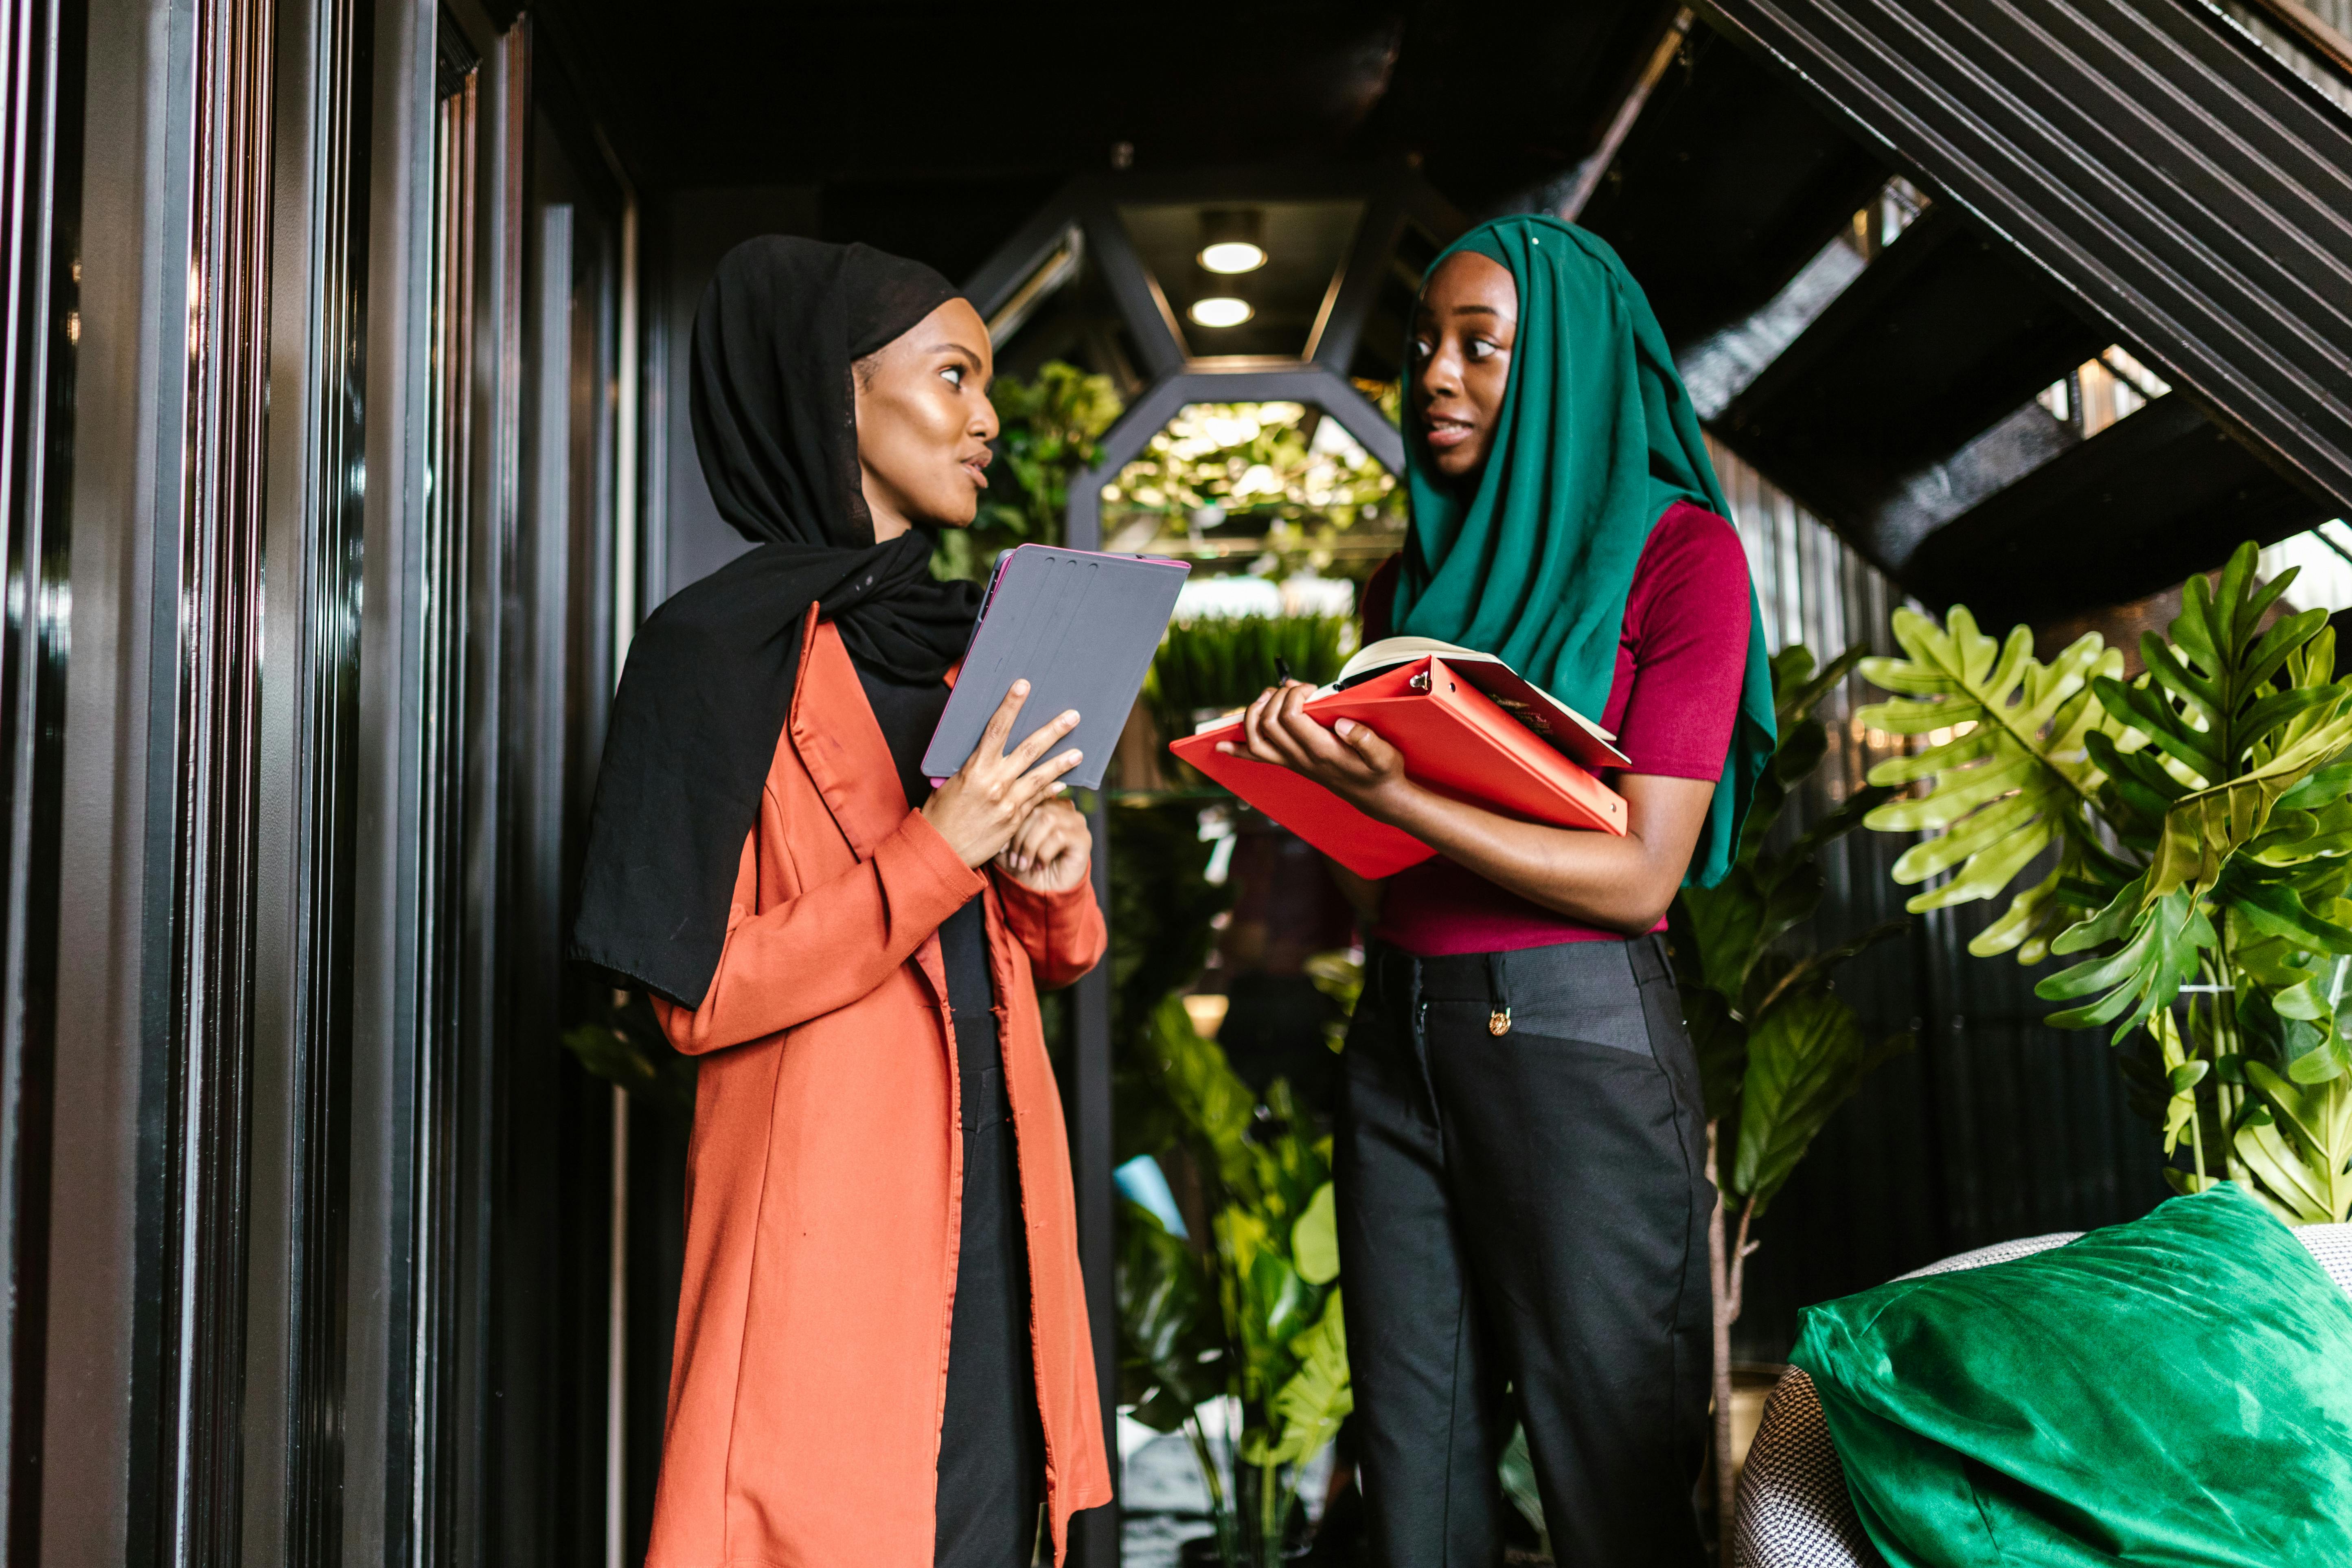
x=2192 y=826
x=1254 y=1319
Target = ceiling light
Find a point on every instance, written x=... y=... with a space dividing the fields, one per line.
x=1232 y=240
x=1221 y=310
x=1231 y=256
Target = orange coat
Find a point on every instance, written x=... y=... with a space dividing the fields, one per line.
x=824 y=1177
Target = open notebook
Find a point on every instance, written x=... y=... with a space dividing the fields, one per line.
x=1470 y=728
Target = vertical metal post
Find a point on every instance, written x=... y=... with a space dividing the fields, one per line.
x=39 y=177
x=625 y=624
x=1096 y=1533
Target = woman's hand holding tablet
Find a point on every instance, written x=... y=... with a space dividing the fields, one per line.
x=979 y=809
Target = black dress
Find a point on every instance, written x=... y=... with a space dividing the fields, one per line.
x=991 y=1446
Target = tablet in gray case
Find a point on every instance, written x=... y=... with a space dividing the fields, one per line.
x=1083 y=627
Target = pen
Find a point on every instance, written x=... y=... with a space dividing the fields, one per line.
x=1281 y=670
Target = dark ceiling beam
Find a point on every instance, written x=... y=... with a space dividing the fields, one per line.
x=1729 y=186
x=2183 y=186
x=1394 y=196
x=1588 y=174
x=1400 y=199
x=1018 y=259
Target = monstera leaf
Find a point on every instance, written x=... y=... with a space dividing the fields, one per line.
x=2242 y=715
x=2204 y=828
x=2181 y=1077
x=2299 y=1141
x=2011 y=773
x=2238 y=719
x=2203 y=810
x=2311 y=1026
x=2161 y=945
x=2208 y=698
x=1309 y=1408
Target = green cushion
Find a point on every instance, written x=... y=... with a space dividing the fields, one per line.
x=2176 y=1391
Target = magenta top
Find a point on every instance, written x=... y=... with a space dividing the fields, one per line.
x=1681 y=659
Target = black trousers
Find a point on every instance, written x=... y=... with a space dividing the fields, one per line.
x=992 y=1444
x=1527 y=1208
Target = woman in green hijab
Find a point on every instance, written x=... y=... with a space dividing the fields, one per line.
x=1521 y=1148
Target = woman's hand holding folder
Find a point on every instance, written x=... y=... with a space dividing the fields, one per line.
x=1357 y=766
x=1618 y=882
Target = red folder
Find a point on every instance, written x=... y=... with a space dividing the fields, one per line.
x=1456 y=740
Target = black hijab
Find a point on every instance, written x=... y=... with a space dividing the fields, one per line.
x=710 y=673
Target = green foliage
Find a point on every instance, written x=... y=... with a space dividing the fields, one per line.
x=2008 y=751
x=1272 y=1276
x=1161 y=906
x=1257 y=459
x=1518 y=1477
x=1778 y=1050
x=1315 y=1239
x=1049 y=429
x=623 y=1043
x=1171 y=1357
x=2157 y=958
x=1223 y=661
x=2201 y=816
x=1806 y=1056
x=2297 y=1139
x=1340 y=976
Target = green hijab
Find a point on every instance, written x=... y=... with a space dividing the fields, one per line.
x=1596 y=440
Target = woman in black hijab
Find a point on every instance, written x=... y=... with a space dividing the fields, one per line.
x=878 y=1172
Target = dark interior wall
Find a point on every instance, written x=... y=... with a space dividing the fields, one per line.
x=688 y=539
x=557 y=1120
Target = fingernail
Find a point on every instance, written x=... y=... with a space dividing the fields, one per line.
x=1344 y=727
x=1020 y=689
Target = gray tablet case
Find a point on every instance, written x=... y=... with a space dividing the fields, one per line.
x=1083 y=627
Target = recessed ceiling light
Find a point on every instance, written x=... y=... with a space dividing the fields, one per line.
x=1221 y=310
x=1233 y=239
x=1230 y=256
